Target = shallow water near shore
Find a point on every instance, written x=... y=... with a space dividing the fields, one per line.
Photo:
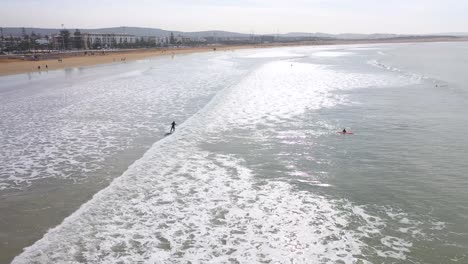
x=255 y=171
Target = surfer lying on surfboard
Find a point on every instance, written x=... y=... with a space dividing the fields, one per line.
x=344 y=132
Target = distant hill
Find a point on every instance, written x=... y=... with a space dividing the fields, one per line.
x=17 y=31
x=215 y=33
x=455 y=34
x=305 y=34
x=139 y=31
x=367 y=36
x=340 y=36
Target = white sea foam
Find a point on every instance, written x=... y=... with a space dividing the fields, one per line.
x=278 y=53
x=415 y=78
x=181 y=203
x=204 y=209
x=278 y=91
x=70 y=128
x=332 y=53
x=365 y=48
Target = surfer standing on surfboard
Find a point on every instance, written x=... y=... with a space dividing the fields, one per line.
x=172 y=127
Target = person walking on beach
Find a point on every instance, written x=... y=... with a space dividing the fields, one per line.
x=172 y=127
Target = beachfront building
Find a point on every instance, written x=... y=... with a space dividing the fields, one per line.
x=262 y=39
x=95 y=40
x=179 y=39
x=42 y=41
x=158 y=41
x=59 y=42
x=267 y=39
x=199 y=40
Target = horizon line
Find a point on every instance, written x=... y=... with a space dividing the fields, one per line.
x=240 y=32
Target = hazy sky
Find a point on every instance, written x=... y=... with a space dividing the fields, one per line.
x=247 y=16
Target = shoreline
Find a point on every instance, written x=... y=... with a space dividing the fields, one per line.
x=74 y=60
x=84 y=58
x=118 y=119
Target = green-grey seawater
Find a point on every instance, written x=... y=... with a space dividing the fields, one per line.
x=255 y=172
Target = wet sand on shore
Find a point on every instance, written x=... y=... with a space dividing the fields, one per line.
x=73 y=60
x=17 y=66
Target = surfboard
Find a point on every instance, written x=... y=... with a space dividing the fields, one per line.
x=345 y=133
x=167 y=134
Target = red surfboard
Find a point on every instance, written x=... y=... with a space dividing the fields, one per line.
x=345 y=133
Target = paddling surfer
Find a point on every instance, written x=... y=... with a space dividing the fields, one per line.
x=344 y=131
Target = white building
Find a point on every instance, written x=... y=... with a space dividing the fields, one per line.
x=42 y=41
x=182 y=39
x=91 y=40
x=153 y=40
x=161 y=41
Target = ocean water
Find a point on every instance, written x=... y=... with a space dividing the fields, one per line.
x=255 y=172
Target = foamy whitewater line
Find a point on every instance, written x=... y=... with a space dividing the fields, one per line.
x=279 y=53
x=416 y=78
x=180 y=203
x=281 y=90
x=332 y=53
x=68 y=132
x=205 y=210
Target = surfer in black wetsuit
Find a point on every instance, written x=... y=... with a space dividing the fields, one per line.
x=344 y=131
x=172 y=127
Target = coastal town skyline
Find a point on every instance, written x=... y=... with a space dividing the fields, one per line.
x=258 y=16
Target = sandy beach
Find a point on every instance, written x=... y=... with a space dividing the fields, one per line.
x=17 y=66
x=88 y=174
x=10 y=66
